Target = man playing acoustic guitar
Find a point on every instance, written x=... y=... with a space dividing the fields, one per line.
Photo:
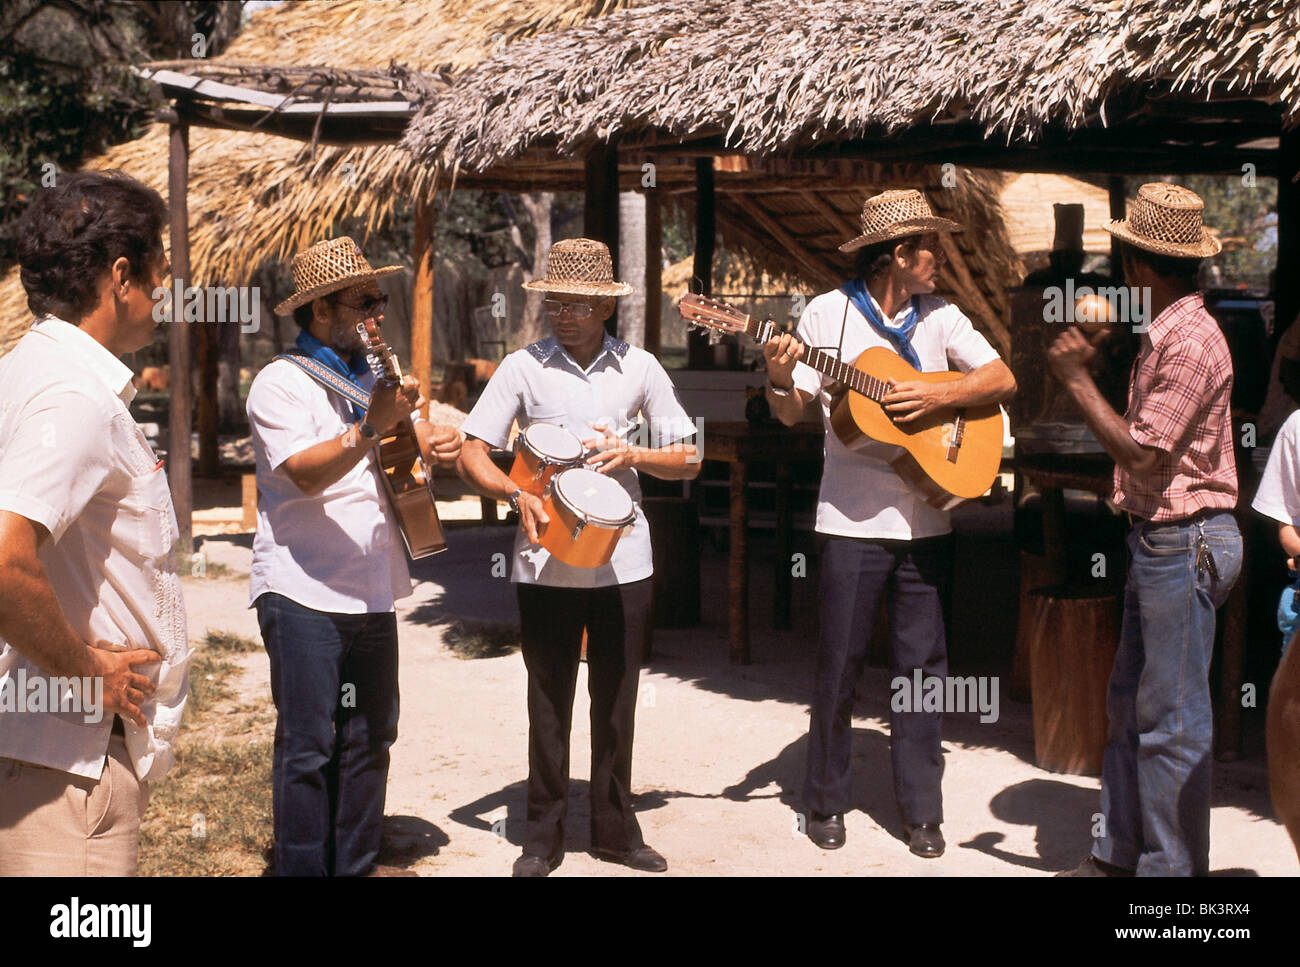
x=879 y=535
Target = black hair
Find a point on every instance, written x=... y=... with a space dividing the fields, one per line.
x=873 y=261
x=303 y=314
x=1178 y=268
x=72 y=233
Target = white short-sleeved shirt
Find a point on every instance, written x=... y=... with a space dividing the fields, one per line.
x=73 y=460
x=339 y=551
x=1278 y=495
x=542 y=383
x=861 y=495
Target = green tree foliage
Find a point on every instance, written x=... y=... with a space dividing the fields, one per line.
x=66 y=86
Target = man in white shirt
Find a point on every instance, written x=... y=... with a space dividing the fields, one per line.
x=880 y=537
x=328 y=567
x=595 y=386
x=93 y=665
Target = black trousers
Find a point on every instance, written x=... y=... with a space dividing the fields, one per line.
x=618 y=623
x=914 y=576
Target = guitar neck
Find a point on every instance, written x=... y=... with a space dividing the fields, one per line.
x=823 y=362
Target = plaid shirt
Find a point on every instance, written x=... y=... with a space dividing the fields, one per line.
x=1179 y=396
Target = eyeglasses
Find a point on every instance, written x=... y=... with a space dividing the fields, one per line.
x=555 y=308
x=370 y=305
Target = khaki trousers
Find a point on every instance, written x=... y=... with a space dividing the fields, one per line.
x=53 y=823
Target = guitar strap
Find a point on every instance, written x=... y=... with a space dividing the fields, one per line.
x=331 y=380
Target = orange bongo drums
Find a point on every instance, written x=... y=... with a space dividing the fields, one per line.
x=544 y=449
x=588 y=514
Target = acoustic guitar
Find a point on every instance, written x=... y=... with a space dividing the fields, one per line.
x=405 y=461
x=948 y=456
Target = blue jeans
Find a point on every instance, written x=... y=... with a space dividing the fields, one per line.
x=334 y=682
x=1155 y=783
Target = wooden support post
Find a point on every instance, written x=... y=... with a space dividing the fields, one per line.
x=208 y=363
x=1115 y=184
x=782 y=577
x=178 y=341
x=423 y=256
x=699 y=352
x=654 y=264
x=600 y=207
x=1288 y=232
x=738 y=564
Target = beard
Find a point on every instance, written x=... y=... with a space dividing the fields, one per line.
x=344 y=339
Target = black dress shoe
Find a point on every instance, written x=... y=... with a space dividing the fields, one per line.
x=925 y=839
x=645 y=859
x=826 y=831
x=533 y=866
x=1095 y=867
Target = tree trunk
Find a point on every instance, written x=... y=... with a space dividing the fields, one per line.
x=231 y=410
x=631 y=266
x=533 y=325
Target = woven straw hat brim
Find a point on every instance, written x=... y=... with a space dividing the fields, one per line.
x=909 y=226
x=1207 y=246
x=578 y=288
x=325 y=288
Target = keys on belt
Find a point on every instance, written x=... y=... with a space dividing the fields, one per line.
x=1204 y=556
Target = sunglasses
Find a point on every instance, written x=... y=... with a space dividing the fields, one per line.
x=555 y=308
x=370 y=305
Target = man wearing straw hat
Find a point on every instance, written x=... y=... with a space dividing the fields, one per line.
x=593 y=385
x=879 y=537
x=328 y=565
x=1176 y=480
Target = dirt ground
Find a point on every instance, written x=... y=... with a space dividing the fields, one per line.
x=720 y=749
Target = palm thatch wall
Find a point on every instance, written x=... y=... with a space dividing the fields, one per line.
x=256 y=197
x=765 y=76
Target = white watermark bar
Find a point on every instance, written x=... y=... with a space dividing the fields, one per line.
x=212 y=303
x=43 y=693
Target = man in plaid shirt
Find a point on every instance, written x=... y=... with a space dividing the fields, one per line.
x=1176 y=478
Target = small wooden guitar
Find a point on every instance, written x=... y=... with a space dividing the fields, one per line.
x=405 y=461
x=948 y=456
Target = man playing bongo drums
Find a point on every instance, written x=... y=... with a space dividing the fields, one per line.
x=592 y=384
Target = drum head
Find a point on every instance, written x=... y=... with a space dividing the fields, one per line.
x=555 y=443
x=594 y=497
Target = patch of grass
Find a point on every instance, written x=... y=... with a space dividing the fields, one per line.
x=211 y=815
x=228 y=642
x=481 y=639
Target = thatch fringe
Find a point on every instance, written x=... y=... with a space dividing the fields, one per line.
x=772 y=75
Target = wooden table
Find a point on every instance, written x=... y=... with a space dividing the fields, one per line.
x=738 y=444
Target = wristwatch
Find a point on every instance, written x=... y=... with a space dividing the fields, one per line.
x=513 y=500
x=779 y=390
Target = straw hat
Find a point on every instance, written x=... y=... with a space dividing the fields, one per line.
x=1166 y=219
x=326 y=267
x=579 y=266
x=897 y=214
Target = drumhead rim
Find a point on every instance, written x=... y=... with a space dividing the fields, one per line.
x=558 y=494
x=547 y=457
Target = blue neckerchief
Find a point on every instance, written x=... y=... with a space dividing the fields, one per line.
x=326 y=356
x=900 y=338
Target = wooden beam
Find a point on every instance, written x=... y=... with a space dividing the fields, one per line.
x=1288 y=231
x=654 y=262
x=818 y=272
x=973 y=296
x=423 y=256
x=600 y=206
x=1115 y=189
x=178 y=341
x=699 y=351
x=835 y=219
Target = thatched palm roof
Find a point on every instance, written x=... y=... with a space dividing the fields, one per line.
x=257 y=197
x=764 y=76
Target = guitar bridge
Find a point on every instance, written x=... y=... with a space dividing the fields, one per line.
x=954 y=441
